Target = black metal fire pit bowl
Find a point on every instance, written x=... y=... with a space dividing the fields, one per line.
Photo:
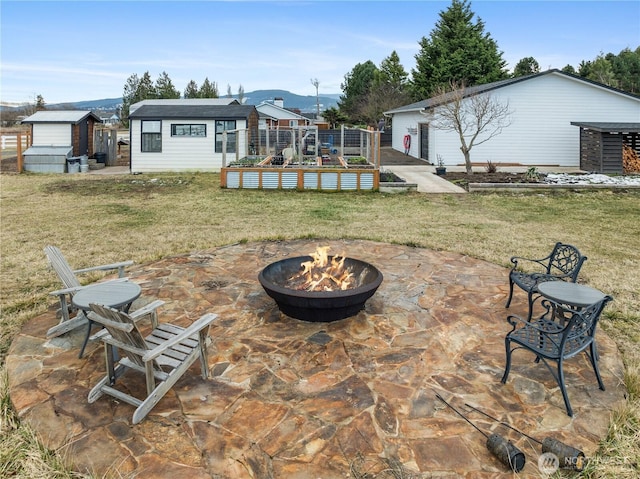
x=319 y=306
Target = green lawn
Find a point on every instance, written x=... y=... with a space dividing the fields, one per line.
x=97 y=219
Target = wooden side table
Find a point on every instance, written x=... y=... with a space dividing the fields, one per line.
x=117 y=295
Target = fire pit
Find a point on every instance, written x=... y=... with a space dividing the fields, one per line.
x=315 y=299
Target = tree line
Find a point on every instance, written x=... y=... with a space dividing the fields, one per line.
x=141 y=88
x=458 y=51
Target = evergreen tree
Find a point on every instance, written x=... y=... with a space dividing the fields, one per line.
x=599 y=70
x=145 y=90
x=191 y=91
x=334 y=117
x=136 y=89
x=392 y=73
x=164 y=87
x=457 y=50
x=626 y=69
x=389 y=90
x=570 y=70
x=526 y=66
x=40 y=103
x=208 y=89
x=240 y=94
x=356 y=86
x=128 y=97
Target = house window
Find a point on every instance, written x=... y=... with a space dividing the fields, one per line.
x=293 y=123
x=188 y=130
x=229 y=126
x=151 y=136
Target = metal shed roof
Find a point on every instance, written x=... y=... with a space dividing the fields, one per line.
x=60 y=116
x=183 y=111
x=609 y=127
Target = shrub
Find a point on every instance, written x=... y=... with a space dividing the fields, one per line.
x=532 y=174
x=491 y=167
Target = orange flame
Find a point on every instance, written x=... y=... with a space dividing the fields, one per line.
x=320 y=274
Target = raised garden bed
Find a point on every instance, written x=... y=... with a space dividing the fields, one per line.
x=315 y=173
x=316 y=178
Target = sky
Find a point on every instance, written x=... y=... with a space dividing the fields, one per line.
x=86 y=50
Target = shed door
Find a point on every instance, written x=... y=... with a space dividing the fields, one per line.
x=424 y=141
x=84 y=138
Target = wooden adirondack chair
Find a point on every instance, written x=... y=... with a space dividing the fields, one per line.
x=71 y=283
x=163 y=356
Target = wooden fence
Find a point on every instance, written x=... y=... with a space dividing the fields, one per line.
x=106 y=141
x=13 y=144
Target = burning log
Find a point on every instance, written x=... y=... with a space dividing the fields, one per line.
x=342 y=287
x=322 y=273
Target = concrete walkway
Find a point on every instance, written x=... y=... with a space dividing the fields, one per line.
x=425 y=178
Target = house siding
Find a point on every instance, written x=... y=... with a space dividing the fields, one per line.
x=409 y=124
x=51 y=134
x=279 y=117
x=540 y=133
x=181 y=153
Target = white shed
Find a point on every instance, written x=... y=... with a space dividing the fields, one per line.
x=179 y=135
x=56 y=136
x=542 y=108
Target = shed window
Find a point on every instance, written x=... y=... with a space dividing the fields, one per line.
x=188 y=130
x=151 y=136
x=229 y=126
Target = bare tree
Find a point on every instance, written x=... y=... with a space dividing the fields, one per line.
x=475 y=117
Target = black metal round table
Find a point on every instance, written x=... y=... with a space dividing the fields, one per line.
x=571 y=294
x=115 y=294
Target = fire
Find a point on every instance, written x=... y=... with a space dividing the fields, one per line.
x=323 y=273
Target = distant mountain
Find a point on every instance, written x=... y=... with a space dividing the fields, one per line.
x=105 y=104
x=291 y=100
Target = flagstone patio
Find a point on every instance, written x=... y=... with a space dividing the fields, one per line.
x=289 y=399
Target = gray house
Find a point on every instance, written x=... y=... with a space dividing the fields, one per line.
x=550 y=115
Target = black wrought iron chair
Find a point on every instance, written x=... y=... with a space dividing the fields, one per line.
x=557 y=341
x=563 y=264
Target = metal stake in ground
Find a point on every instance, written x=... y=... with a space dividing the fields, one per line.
x=503 y=449
x=569 y=457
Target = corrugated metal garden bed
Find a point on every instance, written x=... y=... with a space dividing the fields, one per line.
x=322 y=173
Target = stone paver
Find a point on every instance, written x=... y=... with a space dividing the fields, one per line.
x=290 y=399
